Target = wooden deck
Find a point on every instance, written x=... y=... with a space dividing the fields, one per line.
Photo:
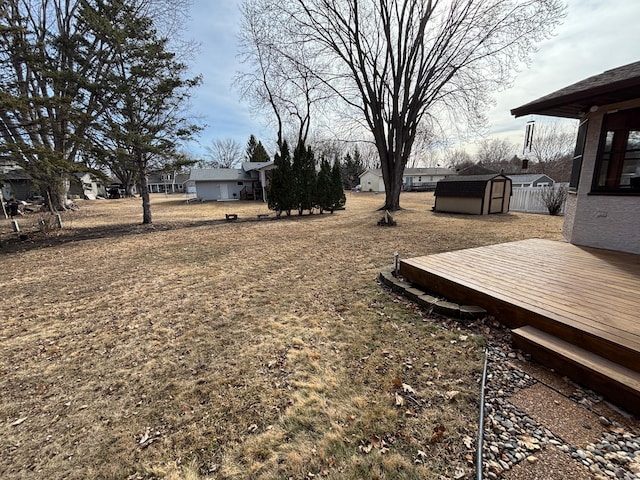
x=589 y=298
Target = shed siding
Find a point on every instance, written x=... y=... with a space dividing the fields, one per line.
x=602 y=221
x=459 y=205
x=370 y=182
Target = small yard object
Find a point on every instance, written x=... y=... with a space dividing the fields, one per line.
x=262 y=216
x=387 y=220
x=231 y=216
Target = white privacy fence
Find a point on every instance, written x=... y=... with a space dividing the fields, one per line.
x=529 y=199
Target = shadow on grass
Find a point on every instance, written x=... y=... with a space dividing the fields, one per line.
x=34 y=239
x=493 y=218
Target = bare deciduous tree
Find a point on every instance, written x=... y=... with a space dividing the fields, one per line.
x=224 y=153
x=552 y=145
x=457 y=158
x=495 y=151
x=285 y=85
x=395 y=62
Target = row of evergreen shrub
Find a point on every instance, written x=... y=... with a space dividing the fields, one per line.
x=296 y=184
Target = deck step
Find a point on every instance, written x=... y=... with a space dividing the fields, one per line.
x=615 y=382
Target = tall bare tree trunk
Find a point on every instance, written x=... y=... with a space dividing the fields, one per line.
x=392 y=169
x=146 y=201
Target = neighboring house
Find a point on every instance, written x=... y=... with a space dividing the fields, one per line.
x=473 y=194
x=222 y=184
x=531 y=180
x=412 y=179
x=88 y=186
x=603 y=207
x=16 y=184
x=167 y=182
x=14 y=181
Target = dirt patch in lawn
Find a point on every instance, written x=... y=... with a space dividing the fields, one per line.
x=200 y=348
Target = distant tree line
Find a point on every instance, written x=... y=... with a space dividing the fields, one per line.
x=296 y=184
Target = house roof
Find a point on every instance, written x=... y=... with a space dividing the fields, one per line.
x=248 y=166
x=408 y=172
x=477 y=169
x=218 y=175
x=473 y=186
x=613 y=86
x=14 y=175
x=529 y=177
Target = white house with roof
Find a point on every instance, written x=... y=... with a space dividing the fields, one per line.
x=531 y=180
x=226 y=184
x=412 y=178
x=603 y=206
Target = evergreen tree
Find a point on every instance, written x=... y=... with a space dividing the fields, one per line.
x=338 y=198
x=304 y=178
x=255 y=151
x=280 y=193
x=351 y=168
x=145 y=121
x=324 y=188
x=252 y=143
x=54 y=63
x=260 y=154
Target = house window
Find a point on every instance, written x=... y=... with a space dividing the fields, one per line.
x=577 y=157
x=618 y=164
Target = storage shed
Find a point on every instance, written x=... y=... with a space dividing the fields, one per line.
x=473 y=194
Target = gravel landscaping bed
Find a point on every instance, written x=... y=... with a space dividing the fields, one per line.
x=603 y=446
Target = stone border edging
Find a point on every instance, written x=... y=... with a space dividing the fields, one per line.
x=428 y=301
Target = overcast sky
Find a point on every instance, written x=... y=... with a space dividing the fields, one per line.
x=595 y=36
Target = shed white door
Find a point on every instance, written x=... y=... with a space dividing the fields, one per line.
x=497 y=196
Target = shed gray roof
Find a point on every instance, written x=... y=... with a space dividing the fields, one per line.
x=615 y=85
x=218 y=175
x=472 y=186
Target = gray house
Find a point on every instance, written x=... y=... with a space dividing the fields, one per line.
x=224 y=184
x=531 y=180
x=603 y=207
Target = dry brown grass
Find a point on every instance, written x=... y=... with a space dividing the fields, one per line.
x=237 y=350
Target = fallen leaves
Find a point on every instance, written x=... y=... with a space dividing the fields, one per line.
x=374 y=442
x=451 y=394
x=438 y=433
x=19 y=421
x=408 y=389
x=530 y=443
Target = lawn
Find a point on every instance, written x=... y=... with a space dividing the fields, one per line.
x=198 y=348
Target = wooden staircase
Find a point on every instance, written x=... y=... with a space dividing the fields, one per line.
x=618 y=380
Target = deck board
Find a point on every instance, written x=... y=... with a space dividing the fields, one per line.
x=590 y=293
